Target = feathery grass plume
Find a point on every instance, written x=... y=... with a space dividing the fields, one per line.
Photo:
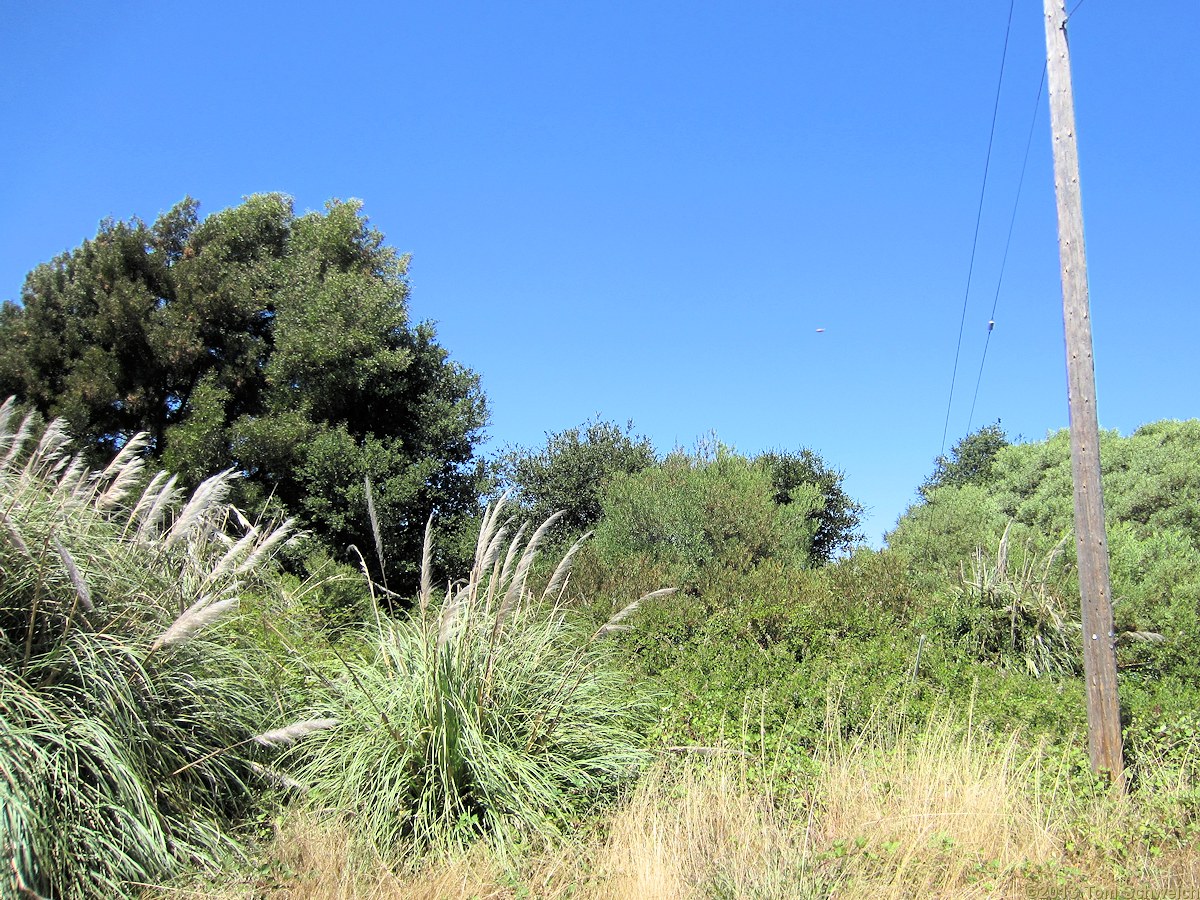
x=246 y=553
x=502 y=576
x=516 y=586
x=237 y=551
x=1141 y=637
x=374 y=519
x=615 y=622
x=285 y=737
x=426 y=568
x=82 y=591
x=13 y=534
x=510 y=732
x=1017 y=621
x=92 y=725
x=193 y=620
x=12 y=441
x=558 y=581
x=48 y=456
x=262 y=549
x=159 y=496
x=448 y=620
x=75 y=483
x=204 y=500
x=491 y=539
x=9 y=436
x=123 y=472
x=277 y=778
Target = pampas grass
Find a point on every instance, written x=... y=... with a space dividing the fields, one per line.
x=113 y=696
x=510 y=720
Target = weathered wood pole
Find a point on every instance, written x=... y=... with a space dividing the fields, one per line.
x=1091 y=544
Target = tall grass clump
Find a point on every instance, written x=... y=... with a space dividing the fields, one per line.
x=1017 y=620
x=118 y=686
x=485 y=711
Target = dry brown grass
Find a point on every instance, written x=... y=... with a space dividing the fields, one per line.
x=948 y=812
x=941 y=813
x=701 y=828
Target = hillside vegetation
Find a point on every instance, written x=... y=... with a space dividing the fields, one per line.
x=576 y=670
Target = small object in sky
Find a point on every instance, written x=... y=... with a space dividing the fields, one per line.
x=820 y=331
x=991 y=324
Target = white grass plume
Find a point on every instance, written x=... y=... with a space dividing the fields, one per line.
x=236 y=552
x=75 y=483
x=503 y=574
x=375 y=526
x=288 y=735
x=426 y=569
x=558 y=581
x=281 y=533
x=124 y=470
x=157 y=497
x=491 y=538
x=615 y=622
x=48 y=456
x=207 y=497
x=516 y=587
x=448 y=621
x=193 y=620
x=279 y=779
x=82 y=591
x=13 y=534
x=12 y=442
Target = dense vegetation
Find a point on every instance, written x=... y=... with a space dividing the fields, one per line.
x=689 y=646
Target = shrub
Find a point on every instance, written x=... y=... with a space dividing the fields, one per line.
x=569 y=473
x=945 y=531
x=695 y=514
x=487 y=712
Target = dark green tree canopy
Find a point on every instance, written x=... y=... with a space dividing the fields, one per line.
x=970 y=460
x=838 y=519
x=274 y=343
x=570 y=472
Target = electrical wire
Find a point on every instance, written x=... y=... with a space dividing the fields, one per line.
x=1037 y=104
x=978 y=219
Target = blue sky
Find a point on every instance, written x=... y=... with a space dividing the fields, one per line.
x=646 y=210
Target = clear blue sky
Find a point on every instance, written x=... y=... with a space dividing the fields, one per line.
x=646 y=210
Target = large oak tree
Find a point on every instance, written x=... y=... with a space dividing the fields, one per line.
x=274 y=343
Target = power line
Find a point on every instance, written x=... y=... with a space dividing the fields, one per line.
x=1037 y=103
x=978 y=218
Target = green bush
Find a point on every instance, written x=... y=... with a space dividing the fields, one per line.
x=568 y=475
x=773 y=641
x=1012 y=616
x=693 y=514
x=942 y=534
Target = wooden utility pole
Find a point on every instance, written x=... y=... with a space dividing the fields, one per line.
x=1099 y=642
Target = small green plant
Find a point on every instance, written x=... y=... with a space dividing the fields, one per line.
x=488 y=711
